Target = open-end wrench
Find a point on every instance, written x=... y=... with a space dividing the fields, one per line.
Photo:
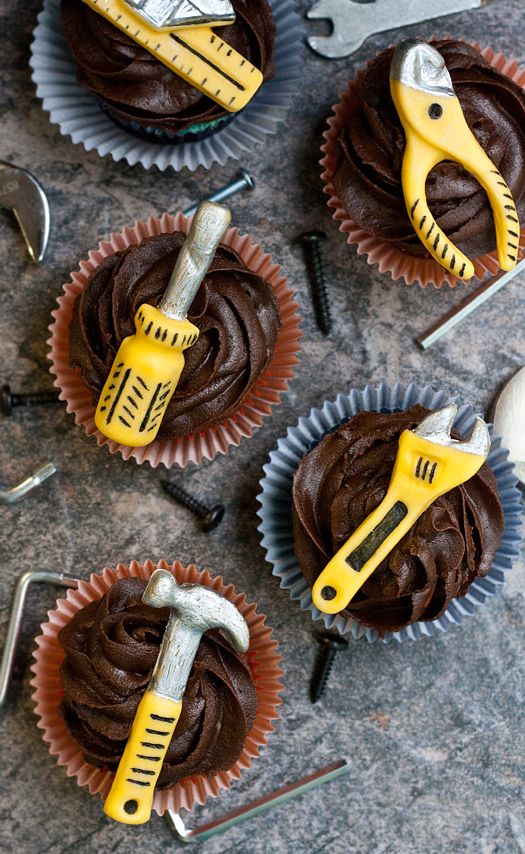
x=354 y=22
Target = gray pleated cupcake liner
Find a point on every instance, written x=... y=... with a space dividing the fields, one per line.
x=275 y=511
x=77 y=112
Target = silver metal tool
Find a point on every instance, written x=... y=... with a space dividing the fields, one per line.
x=354 y=22
x=194 y=610
x=167 y=14
x=245 y=181
x=39 y=576
x=468 y=305
x=8 y=494
x=274 y=799
x=509 y=421
x=22 y=193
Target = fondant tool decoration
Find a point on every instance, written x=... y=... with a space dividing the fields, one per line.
x=354 y=21
x=274 y=799
x=10 y=494
x=167 y=14
x=31 y=576
x=22 y=193
x=196 y=53
x=194 y=610
x=428 y=464
x=474 y=299
x=436 y=130
x=148 y=365
x=509 y=421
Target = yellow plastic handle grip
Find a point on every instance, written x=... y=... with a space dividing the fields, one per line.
x=423 y=470
x=196 y=54
x=436 y=130
x=143 y=377
x=131 y=794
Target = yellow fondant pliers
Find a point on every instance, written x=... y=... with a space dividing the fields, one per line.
x=436 y=130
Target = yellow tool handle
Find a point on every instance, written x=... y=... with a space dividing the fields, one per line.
x=131 y=794
x=436 y=130
x=196 y=54
x=143 y=377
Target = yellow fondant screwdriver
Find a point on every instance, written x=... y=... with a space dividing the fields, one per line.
x=148 y=365
x=195 y=609
x=436 y=130
x=188 y=46
x=428 y=464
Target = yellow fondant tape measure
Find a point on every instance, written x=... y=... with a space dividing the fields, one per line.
x=428 y=464
x=436 y=130
x=148 y=365
x=195 y=53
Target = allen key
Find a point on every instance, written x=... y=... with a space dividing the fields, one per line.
x=8 y=494
x=17 y=612
x=274 y=799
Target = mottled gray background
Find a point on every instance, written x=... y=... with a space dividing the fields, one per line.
x=433 y=730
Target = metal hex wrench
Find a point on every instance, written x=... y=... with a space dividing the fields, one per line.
x=274 y=799
x=8 y=494
x=40 y=576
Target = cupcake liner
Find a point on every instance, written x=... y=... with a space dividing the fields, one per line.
x=213 y=440
x=275 y=499
x=76 y=111
x=389 y=259
x=196 y=789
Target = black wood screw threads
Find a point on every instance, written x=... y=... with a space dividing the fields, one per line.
x=311 y=243
x=9 y=400
x=210 y=516
x=330 y=643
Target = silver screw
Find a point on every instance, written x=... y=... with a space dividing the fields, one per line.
x=245 y=181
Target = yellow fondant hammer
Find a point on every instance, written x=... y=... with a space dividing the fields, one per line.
x=195 y=52
x=436 y=130
x=148 y=365
x=428 y=464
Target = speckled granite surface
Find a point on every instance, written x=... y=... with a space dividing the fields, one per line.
x=433 y=730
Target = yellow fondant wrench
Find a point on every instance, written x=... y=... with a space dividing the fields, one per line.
x=187 y=46
x=428 y=464
x=148 y=365
x=436 y=130
x=194 y=610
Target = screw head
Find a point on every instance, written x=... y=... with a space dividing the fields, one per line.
x=213 y=517
x=248 y=178
x=6 y=404
x=330 y=639
x=311 y=237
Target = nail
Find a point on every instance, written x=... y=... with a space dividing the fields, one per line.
x=330 y=643
x=245 y=181
x=211 y=516
x=311 y=243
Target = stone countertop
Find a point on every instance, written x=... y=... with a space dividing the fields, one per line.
x=433 y=730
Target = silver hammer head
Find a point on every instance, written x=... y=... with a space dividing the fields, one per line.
x=195 y=610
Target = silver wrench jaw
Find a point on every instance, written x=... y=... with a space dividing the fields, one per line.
x=437 y=425
x=21 y=193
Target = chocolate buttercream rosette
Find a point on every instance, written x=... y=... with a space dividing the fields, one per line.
x=275 y=512
x=383 y=253
x=263 y=659
x=255 y=405
x=77 y=112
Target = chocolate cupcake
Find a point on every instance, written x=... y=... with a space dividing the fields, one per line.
x=233 y=374
x=346 y=476
x=139 y=92
x=364 y=151
x=110 y=648
x=94 y=659
x=332 y=469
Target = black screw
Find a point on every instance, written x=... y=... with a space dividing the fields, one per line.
x=8 y=399
x=330 y=644
x=211 y=516
x=311 y=243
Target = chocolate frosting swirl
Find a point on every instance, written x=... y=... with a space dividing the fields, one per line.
x=370 y=148
x=236 y=311
x=342 y=480
x=111 y=647
x=136 y=86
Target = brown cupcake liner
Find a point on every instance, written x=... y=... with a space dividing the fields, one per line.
x=389 y=259
x=216 y=439
x=196 y=789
